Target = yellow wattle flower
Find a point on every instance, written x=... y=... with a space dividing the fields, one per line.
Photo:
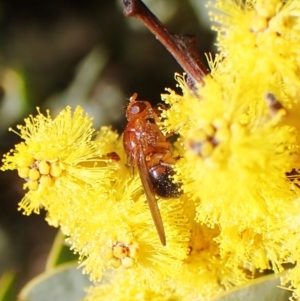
x=116 y=231
x=238 y=168
x=202 y=275
x=129 y=286
x=258 y=43
x=240 y=134
x=95 y=198
x=58 y=158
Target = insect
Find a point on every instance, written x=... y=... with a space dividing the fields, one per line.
x=147 y=149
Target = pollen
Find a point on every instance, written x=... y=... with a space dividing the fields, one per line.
x=120 y=251
x=206 y=139
x=40 y=173
x=125 y=252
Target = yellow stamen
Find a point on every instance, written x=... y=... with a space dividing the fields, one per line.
x=120 y=251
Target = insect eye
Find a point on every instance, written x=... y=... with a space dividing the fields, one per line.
x=137 y=108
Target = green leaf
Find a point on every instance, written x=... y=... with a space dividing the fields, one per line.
x=261 y=289
x=7 y=286
x=65 y=283
x=60 y=253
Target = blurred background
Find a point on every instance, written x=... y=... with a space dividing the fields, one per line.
x=57 y=53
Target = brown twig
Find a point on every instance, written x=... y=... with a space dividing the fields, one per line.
x=182 y=47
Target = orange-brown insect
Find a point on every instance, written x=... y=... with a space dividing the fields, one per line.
x=147 y=148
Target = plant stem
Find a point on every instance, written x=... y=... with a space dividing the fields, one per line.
x=182 y=47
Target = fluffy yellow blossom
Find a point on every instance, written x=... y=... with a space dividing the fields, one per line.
x=227 y=147
x=128 y=286
x=234 y=166
x=203 y=275
x=259 y=38
x=57 y=159
x=238 y=168
x=240 y=135
x=95 y=198
x=116 y=231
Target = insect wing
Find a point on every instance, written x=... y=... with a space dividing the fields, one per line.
x=150 y=195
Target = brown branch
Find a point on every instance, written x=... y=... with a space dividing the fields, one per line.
x=182 y=47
